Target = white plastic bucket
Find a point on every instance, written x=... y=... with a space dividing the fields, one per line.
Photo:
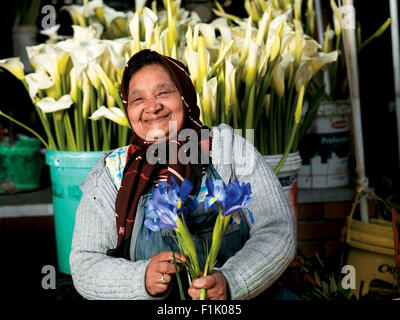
x=288 y=178
x=325 y=148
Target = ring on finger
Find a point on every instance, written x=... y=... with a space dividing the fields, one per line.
x=162 y=280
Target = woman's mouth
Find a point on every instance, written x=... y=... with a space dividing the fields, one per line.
x=156 y=119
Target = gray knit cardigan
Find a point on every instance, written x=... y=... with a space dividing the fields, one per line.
x=260 y=262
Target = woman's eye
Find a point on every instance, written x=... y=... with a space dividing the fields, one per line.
x=163 y=93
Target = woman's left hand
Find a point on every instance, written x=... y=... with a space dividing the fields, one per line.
x=215 y=283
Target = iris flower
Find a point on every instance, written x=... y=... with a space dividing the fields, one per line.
x=166 y=209
x=166 y=202
x=235 y=196
x=227 y=200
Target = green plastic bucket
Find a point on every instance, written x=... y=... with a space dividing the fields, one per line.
x=20 y=165
x=68 y=170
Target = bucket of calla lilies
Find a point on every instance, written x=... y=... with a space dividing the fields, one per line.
x=169 y=206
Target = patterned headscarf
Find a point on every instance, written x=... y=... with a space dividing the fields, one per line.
x=139 y=174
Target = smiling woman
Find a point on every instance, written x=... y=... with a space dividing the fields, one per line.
x=112 y=254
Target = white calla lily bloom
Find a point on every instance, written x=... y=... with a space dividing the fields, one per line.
x=50 y=105
x=114 y=114
x=208 y=32
x=15 y=66
x=84 y=33
x=278 y=75
x=149 y=20
x=38 y=80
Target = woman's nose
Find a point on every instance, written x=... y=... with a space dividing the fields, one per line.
x=152 y=105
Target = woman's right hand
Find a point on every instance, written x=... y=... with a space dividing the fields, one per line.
x=160 y=267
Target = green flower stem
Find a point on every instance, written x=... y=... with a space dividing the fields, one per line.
x=287 y=149
x=262 y=90
x=178 y=278
x=60 y=134
x=95 y=133
x=42 y=116
x=63 y=81
x=79 y=122
x=249 y=122
x=25 y=127
x=71 y=144
x=220 y=227
x=271 y=122
x=46 y=126
x=289 y=113
x=103 y=123
x=279 y=127
x=334 y=69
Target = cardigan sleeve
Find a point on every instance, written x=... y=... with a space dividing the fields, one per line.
x=271 y=246
x=96 y=275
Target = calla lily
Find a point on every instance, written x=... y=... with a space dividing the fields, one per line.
x=303 y=74
x=15 y=66
x=111 y=14
x=251 y=75
x=297 y=9
x=226 y=33
x=231 y=100
x=310 y=16
x=47 y=61
x=108 y=85
x=276 y=45
x=84 y=33
x=134 y=28
x=209 y=99
x=322 y=59
x=86 y=96
x=90 y=8
x=38 y=80
x=50 y=105
x=278 y=75
x=245 y=48
x=139 y=5
x=93 y=75
x=299 y=105
x=51 y=32
x=114 y=114
x=208 y=32
x=90 y=50
x=337 y=18
x=262 y=28
x=73 y=74
x=251 y=10
x=221 y=58
x=117 y=49
x=299 y=41
x=149 y=20
x=192 y=59
x=204 y=58
x=33 y=51
x=62 y=57
x=77 y=14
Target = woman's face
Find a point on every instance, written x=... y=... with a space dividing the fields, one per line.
x=154 y=101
